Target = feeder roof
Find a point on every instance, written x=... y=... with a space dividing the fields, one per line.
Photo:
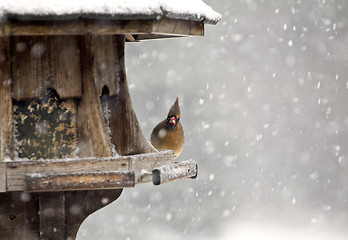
x=195 y=10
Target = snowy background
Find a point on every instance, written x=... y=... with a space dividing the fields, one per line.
x=264 y=107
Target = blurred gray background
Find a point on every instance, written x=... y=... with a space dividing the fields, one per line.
x=264 y=108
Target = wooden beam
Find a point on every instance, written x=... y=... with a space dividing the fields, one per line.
x=93 y=136
x=74 y=27
x=52 y=215
x=6 y=123
x=2 y=177
x=126 y=134
x=17 y=170
x=79 y=181
x=164 y=27
x=164 y=174
x=143 y=165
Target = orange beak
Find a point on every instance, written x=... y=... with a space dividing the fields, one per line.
x=172 y=120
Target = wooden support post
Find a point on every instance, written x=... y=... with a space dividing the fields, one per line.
x=3 y=178
x=126 y=134
x=6 y=138
x=52 y=215
x=93 y=137
x=6 y=130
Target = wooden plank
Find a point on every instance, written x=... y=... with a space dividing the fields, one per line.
x=94 y=139
x=19 y=216
x=17 y=170
x=165 y=27
x=2 y=177
x=42 y=62
x=107 y=26
x=126 y=134
x=197 y=28
x=141 y=37
x=105 y=73
x=142 y=165
x=183 y=28
x=6 y=125
x=52 y=215
x=176 y=171
x=37 y=28
x=75 y=211
x=75 y=27
x=79 y=181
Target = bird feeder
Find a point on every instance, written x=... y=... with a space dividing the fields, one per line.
x=69 y=137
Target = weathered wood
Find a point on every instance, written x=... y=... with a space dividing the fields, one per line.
x=6 y=126
x=126 y=133
x=17 y=170
x=80 y=204
x=130 y=38
x=176 y=171
x=2 y=177
x=52 y=216
x=169 y=28
x=104 y=64
x=154 y=28
x=75 y=211
x=19 y=216
x=79 y=181
x=94 y=139
x=99 y=26
x=74 y=27
x=197 y=28
x=141 y=37
x=145 y=163
x=44 y=62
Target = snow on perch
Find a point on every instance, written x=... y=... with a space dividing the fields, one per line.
x=179 y=9
x=168 y=173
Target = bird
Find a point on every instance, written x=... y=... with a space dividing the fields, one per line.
x=169 y=134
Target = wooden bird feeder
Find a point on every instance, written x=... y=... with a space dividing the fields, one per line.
x=69 y=137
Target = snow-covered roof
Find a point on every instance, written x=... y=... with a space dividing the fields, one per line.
x=117 y=9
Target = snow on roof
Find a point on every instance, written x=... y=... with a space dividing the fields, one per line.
x=122 y=9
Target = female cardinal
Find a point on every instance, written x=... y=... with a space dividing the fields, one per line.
x=169 y=133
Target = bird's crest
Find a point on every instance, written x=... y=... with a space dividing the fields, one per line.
x=175 y=109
